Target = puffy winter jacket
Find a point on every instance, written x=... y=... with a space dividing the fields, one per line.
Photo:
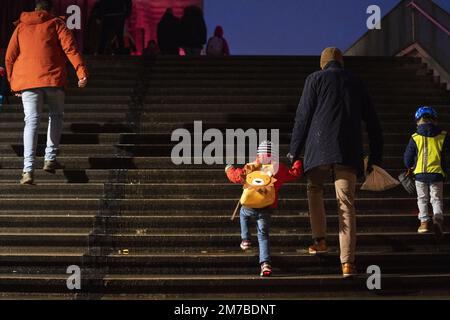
x=38 y=52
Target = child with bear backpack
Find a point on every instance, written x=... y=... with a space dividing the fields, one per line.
x=262 y=181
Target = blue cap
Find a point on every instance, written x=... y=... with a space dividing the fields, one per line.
x=425 y=110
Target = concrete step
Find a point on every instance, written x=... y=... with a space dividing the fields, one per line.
x=215 y=107
x=157 y=176
x=255 y=75
x=72 y=116
x=146 y=150
x=160 y=216
x=235 y=117
x=174 y=190
x=293 y=99
x=120 y=162
x=280 y=223
x=218 y=263
x=227 y=286
x=106 y=100
x=149 y=138
x=162 y=204
x=75 y=127
x=298 y=83
x=148 y=126
x=181 y=242
x=268 y=68
x=115 y=60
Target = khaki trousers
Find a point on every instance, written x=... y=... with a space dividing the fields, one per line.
x=345 y=185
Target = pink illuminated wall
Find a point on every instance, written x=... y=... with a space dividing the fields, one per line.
x=141 y=25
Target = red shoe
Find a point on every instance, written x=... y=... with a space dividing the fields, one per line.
x=266 y=270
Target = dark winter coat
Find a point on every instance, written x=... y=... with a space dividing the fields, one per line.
x=193 y=28
x=169 y=33
x=328 y=123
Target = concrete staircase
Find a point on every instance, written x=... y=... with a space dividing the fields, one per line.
x=119 y=189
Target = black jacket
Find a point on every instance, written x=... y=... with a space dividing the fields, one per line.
x=168 y=32
x=410 y=156
x=328 y=123
x=193 y=28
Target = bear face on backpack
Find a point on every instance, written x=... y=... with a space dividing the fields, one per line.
x=259 y=188
x=263 y=178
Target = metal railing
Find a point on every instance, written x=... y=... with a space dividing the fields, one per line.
x=412 y=23
x=426 y=15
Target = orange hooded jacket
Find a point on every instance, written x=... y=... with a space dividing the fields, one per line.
x=37 y=51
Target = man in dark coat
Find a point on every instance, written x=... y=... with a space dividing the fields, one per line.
x=169 y=33
x=193 y=30
x=113 y=14
x=328 y=125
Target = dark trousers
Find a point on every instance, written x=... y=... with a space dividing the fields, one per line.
x=4 y=90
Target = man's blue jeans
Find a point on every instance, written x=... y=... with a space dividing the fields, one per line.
x=262 y=217
x=33 y=101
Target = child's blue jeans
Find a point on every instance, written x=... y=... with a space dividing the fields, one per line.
x=262 y=217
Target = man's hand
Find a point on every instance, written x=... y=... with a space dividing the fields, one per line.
x=82 y=82
x=18 y=94
x=290 y=158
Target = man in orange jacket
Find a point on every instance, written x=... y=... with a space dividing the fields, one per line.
x=36 y=68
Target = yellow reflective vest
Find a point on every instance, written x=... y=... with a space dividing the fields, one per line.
x=429 y=153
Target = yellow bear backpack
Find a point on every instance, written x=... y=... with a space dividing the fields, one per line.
x=259 y=189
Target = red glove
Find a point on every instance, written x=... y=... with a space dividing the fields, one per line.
x=297 y=168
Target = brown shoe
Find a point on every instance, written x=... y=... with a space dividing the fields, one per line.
x=349 y=270
x=318 y=247
x=424 y=227
x=27 y=178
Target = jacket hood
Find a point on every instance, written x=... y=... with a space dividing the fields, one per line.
x=35 y=17
x=428 y=130
x=218 y=32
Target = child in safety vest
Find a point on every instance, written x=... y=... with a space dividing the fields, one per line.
x=262 y=180
x=425 y=155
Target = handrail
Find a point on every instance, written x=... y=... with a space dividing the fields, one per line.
x=424 y=13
